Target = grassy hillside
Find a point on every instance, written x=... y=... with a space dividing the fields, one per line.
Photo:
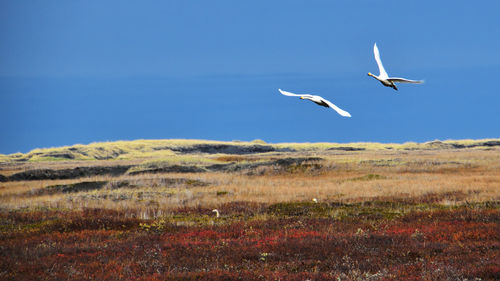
x=137 y=173
x=140 y=149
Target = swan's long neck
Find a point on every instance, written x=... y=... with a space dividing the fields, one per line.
x=374 y=76
x=216 y=212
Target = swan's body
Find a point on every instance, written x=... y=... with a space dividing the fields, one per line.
x=384 y=78
x=319 y=101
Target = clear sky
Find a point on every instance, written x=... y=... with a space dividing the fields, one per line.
x=85 y=71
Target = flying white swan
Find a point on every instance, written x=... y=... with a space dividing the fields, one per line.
x=384 y=78
x=319 y=101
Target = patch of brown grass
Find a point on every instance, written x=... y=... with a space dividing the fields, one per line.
x=473 y=175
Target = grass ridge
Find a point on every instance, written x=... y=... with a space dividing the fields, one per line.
x=138 y=149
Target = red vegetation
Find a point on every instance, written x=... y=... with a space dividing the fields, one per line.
x=108 y=245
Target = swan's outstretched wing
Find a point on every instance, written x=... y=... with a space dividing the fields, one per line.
x=382 y=73
x=404 y=80
x=336 y=108
x=289 y=94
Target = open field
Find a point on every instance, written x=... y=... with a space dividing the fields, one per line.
x=143 y=210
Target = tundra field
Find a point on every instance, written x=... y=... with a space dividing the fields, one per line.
x=142 y=210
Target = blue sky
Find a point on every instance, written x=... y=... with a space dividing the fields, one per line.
x=84 y=71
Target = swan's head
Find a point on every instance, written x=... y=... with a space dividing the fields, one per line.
x=302 y=97
x=370 y=74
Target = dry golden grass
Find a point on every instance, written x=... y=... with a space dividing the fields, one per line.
x=441 y=176
x=411 y=176
x=145 y=149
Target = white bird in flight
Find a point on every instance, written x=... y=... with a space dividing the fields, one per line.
x=319 y=101
x=384 y=78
